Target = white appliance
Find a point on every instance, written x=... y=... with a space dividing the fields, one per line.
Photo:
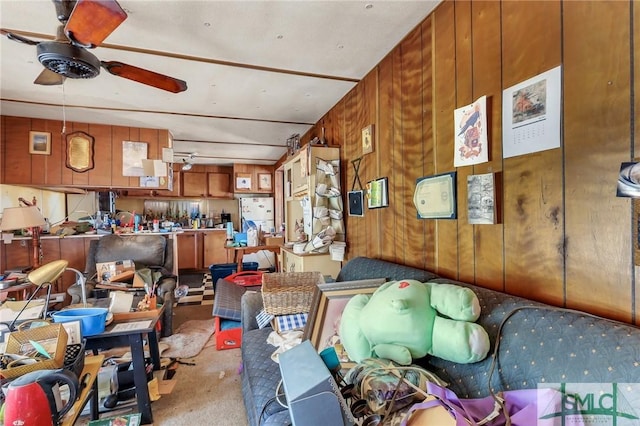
x=260 y=211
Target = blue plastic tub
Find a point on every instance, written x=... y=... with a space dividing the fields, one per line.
x=222 y=270
x=92 y=320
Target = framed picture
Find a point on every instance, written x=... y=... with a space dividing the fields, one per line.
x=264 y=181
x=367 y=139
x=79 y=152
x=378 y=193
x=481 y=199
x=40 y=143
x=356 y=202
x=327 y=304
x=435 y=196
x=243 y=181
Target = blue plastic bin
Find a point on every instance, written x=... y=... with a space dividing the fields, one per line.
x=222 y=270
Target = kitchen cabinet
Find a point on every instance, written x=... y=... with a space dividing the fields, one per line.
x=207 y=182
x=194 y=184
x=214 y=243
x=198 y=249
x=260 y=178
x=219 y=185
x=189 y=254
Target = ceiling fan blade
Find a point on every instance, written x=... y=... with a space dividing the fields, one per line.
x=49 y=78
x=147 y=77
x=16 y=37
x=92 y=21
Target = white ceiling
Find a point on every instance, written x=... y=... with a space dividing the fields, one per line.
x=257 y=71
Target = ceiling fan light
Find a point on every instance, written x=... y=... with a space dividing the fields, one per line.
x=68 y=60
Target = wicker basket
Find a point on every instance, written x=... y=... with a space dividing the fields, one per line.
x=289 y=292
x=53 y=337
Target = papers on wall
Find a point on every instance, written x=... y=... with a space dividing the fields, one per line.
x=471 y=143
x=531 y=114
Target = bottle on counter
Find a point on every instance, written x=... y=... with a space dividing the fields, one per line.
x=46 y=228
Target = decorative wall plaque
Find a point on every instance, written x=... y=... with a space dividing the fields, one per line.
x=79 y=152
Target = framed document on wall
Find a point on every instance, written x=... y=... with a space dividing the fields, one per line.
x=435 y=196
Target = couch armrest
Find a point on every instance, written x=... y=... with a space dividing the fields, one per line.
x=250 y=305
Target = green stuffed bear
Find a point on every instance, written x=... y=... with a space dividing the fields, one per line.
x=400 y=322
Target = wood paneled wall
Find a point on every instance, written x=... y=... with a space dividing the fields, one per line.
x=563 y=237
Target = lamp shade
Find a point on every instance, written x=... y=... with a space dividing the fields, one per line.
x=21 y=217
x=48 y=273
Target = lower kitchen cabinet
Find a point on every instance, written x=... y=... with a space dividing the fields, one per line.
x=322 y=263
x=198 y=249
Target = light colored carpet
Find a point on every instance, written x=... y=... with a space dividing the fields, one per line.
x=207 y=393
x=189 y=339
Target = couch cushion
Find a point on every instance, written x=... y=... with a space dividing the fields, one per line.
x=361 y=268
x=144 y=250
x=260 y=377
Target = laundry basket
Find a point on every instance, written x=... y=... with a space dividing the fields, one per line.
x=289 y=292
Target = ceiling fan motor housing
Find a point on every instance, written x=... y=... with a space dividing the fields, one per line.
x=68 y=60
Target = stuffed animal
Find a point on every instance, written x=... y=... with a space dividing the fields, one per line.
x=400 y=322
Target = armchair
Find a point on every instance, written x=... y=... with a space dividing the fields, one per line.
x=150 y=251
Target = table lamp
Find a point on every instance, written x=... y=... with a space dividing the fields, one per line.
x=14 y=218
x=44 y=275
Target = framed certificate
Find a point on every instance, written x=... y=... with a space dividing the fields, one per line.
x=435 y=196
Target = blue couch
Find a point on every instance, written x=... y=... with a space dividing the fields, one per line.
x=539 y=344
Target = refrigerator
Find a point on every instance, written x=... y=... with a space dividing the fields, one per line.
x=259 y=211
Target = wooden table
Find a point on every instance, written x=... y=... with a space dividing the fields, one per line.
x=239 y=252
x=117 y=334
x=92 y=366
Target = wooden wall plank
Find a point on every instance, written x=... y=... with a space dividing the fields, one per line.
x=119 y=134
x=355 y=225
x=444 y=93
x=371 y=161
x=428 y=164
x=384 y=136
x=100 y=175
x=533 y=199
x=16 y=146
x=38 y=162
x=596 y=142
x=55 y=161
x=397 y=246
x=488 y=239
x=464 y=96
x=413 y=158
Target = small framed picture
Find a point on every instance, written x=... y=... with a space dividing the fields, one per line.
x=264 y=181
x=367 y=139
x=40 y=143
x=356 y=201
x=243 y=181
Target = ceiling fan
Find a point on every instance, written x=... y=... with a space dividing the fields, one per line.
x=85 y=24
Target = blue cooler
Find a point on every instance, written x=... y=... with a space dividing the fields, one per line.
x=222 y=270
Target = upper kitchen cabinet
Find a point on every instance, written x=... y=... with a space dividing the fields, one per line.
x=207 y=182
x=36 y=152
x=253 y=179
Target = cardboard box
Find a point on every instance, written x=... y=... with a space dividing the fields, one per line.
x=108 y=270
x=273 y=241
